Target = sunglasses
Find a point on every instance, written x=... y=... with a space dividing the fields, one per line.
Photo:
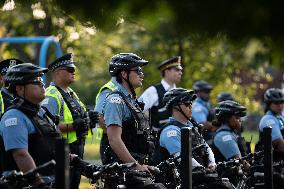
x=187 y=104
x=139 y=71
x=206 y=91
x=70 y=70
x=279 y=102
x=37 y=82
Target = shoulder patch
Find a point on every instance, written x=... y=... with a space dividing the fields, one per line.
x=10 y=122
x=171 y=133
x=226 y=138
x=270 y=122
x=45 y=101
x=115 y=99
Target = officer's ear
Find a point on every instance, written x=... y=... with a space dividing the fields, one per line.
x=20 y=89
x=124 y=74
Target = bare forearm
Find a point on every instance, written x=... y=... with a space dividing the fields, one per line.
x=23 y=160
x=121 y=151
x=102 y=123
x=64 y=128
x=279 y=145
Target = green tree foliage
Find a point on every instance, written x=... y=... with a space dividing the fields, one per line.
x=236 y=18
x=241 y=66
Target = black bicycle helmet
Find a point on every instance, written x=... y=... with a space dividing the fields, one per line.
x=224 y=96
x=201 y=85
x=23 y=73
x=229 y=108
x=124 y=61
x=178 y=96
x=273 y=95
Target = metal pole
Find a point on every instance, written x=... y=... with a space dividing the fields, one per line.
x=268 y=158
x=62 y=164
x=186 y=159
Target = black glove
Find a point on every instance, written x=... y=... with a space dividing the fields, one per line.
x=94 y=117
x=80 y=125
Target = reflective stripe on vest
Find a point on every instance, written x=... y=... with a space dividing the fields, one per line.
x=2 y=103
x=65 y=113
x=109 y=85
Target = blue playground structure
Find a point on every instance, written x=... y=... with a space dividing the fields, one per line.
x=45 y=42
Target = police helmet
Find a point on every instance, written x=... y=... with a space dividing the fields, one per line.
x=124 y=61
x=224 y=96
x=273 y=95
x=178 y=96
x=229 y=108
x=23 y=73
x=6 y=64
x=202 y=85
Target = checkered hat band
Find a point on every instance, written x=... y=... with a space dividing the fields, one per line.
x=62 y=63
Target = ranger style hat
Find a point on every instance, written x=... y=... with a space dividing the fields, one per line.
x=172 y=62
x=64 y=61
x=6 y=64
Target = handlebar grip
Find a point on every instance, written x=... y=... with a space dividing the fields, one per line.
x=12 y=175
x=39 y=168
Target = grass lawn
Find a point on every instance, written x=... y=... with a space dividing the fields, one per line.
x=251 y=136
x=92 y=154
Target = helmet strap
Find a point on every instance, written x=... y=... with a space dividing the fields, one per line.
x=129 y=84
x=178 y=108
x=24 y=95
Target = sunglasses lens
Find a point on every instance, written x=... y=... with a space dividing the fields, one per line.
x=139 y=71
x=279 y=102
x=187 y=104
x=70 y=70
x=37 y=82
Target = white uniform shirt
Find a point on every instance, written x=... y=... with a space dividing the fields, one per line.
x=150 y=95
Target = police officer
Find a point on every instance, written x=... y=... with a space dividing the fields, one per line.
x=28 y=131
x=100 y=98
x=222 y=96
x=179 y=101
x=62 y=101
x=201 y=109
x=127 y=127
x=274 y=104
x=228 y=121
x=122 y=111
x=152 y=97
x=5 y=97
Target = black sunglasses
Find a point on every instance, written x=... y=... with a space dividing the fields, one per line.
x=36 y=82
x=206 y=90
x=278 y=102
x=139 y=71
x=187 y=104
x=70 y=70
